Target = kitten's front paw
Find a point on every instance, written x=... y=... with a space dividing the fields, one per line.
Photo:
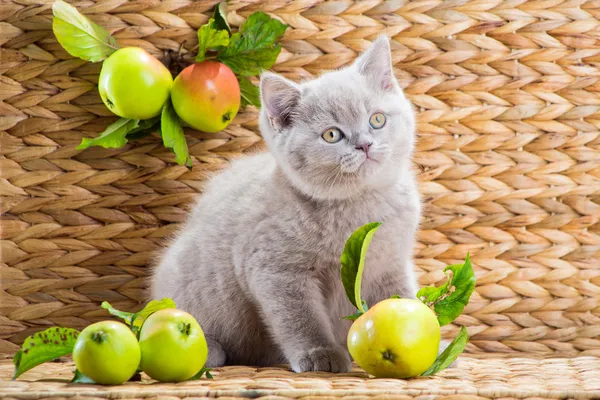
x=322 y=359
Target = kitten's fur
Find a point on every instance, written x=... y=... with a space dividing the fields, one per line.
x=258 y=261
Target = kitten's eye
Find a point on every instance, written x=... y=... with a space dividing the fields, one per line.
x=332 y=135
x=377 y=120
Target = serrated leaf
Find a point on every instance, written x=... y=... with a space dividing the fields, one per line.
x=44 y=346
x=249 y=92
x=124 y=315
x=114 y=136
x=353 y=261
x=155 y=305
x=79 y=36
x=449 y=300
x=78 y=377
x=203 y=371
x=220 y=17
x=254 y=48
x=451 y=353
x=145 y=128
x=210 y=38
x=172 y=135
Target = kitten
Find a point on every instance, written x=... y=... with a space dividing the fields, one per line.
x=258 y=261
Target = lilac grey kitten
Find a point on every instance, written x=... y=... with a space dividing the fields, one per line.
x=258 y=261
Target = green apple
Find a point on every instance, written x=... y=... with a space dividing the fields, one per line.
x=134 y=84
x=173 y=346
x=107 y=352
x=206 y=96
x=396 y=338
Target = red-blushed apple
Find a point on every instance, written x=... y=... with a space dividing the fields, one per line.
x=107 y=352
x=134 y=84
x=173 y=346
x=396 y=338
x=206 y=96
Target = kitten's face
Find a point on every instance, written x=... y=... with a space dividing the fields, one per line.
x=342 y=133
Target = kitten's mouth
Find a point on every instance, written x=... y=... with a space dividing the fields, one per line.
x=368 y=166
x=369 y=159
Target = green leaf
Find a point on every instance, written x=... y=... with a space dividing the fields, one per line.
x=254 y=48
x=136 y=320
x=145 y=128
x=250 y=93
x=449 y=300
x=126 y=316
x=172 y=135
x=155 y=305
x=78 y=377
x=353 y=261
x=358 y=313
x=210 y=38
x=44 y=346
x=79 y=36
x=220 y=17
x=395 y=297
x=451 y=353
x=114 y=136
x=203 y=371
x=353 y=317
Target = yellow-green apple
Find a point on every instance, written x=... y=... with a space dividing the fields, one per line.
x=134 y=84
x=107 y=352
x=396 y=338
x=173 y=346
x=206 y=96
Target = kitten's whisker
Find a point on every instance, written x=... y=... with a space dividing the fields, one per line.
x=338 y=174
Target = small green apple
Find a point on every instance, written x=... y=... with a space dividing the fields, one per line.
x=107 y=352
x=206 y=96
x=396 y=338
x=134 y=84
x=173 y=346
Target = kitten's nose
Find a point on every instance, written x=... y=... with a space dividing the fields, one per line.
x=364 y=147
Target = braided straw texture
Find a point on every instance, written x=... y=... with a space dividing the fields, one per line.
x=508 y=97
x=476 y=379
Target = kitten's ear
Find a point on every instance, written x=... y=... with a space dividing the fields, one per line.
x=280 y=98
x=376 y=64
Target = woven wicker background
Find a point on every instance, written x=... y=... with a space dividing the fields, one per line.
x=508 y=94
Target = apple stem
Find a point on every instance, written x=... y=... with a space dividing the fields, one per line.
x=185 y=328
x=99 y=336
x=387 y=355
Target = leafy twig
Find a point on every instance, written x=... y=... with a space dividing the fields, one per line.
x=449 y=300
x=353 y=262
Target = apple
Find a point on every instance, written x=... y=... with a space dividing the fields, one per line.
x=206 y=96
x=173 y=346
x=107 y=352
x=396 y=338
x=134 y=84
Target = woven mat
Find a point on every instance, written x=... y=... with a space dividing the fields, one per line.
x=486 y=378
x=508 y=100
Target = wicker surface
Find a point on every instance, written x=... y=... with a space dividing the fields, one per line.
x=475 y=379
x=509 y=109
